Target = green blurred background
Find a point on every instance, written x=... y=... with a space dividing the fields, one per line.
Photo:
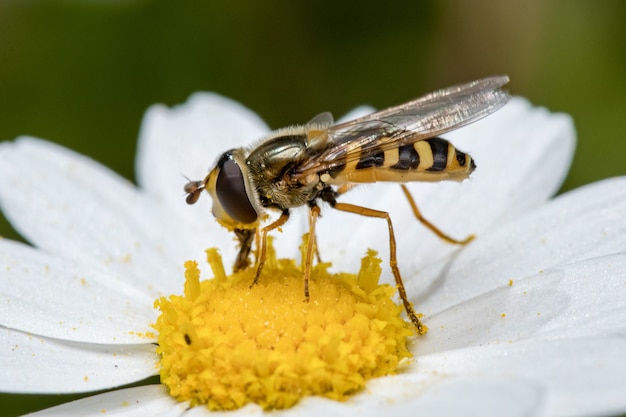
x=81 y=73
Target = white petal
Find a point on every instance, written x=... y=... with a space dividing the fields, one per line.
x=410 y=395
x=186 y=140
x=579 y=377
x=49 y=296
x=522 y=153
x=70 y=205
x=407 y=396
x=37 y=365
x=581 y=300
x=149 y=400
x=585 y=223
x=463 y=396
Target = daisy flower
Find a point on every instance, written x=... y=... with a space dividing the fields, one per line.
x=528 y=319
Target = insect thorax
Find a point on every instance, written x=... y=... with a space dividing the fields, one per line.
x=271 y=166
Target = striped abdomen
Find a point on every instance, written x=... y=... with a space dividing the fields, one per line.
x=433 y=159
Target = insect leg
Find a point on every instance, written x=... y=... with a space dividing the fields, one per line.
x=312 y=234
x=314 y=213
x=257 y=245
x=245 y=237
x=344 y=188
x=279 y=222
x=429 y=225
x=393 y=261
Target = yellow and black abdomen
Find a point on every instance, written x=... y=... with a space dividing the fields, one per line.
x=433 y=159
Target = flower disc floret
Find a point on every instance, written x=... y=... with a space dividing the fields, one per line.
x=225 y=344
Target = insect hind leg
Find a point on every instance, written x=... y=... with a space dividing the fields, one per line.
x=429 y=225
x=393 y=261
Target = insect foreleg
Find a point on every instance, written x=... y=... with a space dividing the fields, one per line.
x=279 y=222
x=428 y=224
x=393 y=261
x=245 y=237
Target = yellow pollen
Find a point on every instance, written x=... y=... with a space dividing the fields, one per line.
x=223 y=344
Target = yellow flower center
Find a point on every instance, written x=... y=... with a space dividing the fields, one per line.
x=225 y=344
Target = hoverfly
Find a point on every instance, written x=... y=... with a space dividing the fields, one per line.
x=303 y=165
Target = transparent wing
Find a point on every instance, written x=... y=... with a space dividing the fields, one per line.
x=425 y=117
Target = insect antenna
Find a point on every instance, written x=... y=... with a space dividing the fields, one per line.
x=193 y=190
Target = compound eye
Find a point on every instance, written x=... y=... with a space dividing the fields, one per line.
x=230 y=189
